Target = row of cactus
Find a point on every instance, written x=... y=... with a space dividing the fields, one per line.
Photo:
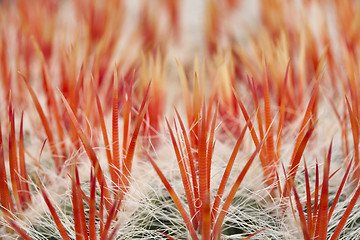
x=131 y=120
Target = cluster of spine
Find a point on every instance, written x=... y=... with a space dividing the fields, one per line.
x=92 y=83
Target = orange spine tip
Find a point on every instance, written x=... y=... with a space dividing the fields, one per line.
x=203 y=178
x=115 y=133
x=89 y=151
x=13 y=163
x=191 y=163
x=46 y=125
x=226 y=174
x=295 y=162
x=6 y=202
x=220 y=219
x=23 y=173
x=106 y=139
x=130 y=152
x=271 y=160
x=183 y=173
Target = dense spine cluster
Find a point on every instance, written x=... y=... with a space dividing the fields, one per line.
x=171 y=119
